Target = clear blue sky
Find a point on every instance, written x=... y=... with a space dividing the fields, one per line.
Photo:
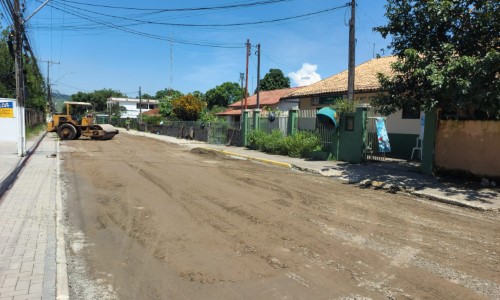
x=93 y=56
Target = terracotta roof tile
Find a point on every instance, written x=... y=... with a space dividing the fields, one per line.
x=365 y=80
x=266 y=98
x=152 y=112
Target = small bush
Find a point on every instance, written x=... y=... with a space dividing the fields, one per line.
x=301 y=144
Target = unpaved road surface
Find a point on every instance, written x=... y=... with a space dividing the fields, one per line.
x=151 y=220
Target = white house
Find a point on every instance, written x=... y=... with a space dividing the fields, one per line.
x=133 y=106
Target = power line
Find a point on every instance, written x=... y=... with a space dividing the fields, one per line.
x=214 y=25
x=145 y=34
x=258 y=3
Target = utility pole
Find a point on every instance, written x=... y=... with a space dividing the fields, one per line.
x=242 y=77
x=18 y=57
x=352 y=53
x=258 y=75
x=140 y=106
x=246 y=76
x=49 y=89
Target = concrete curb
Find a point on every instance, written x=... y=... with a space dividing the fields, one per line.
x=262 y=160
x=344 y=180
x=62 y=284
x=9 y=180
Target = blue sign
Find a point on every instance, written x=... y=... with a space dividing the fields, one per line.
x=6 y=104
x=383 y=138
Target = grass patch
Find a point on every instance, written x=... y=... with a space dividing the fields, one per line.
x=32 y=131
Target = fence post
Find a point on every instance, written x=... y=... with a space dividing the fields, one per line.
x=244 y=128
x=293 y=120
x=428 y=143
x=256 y=118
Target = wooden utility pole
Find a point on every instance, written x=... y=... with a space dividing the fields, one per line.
x=352 y=53
x=258 y=75
x=18 y=57
x=246 y=76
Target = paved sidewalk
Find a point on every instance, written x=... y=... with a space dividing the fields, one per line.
x=29 y=228
x=390 y=175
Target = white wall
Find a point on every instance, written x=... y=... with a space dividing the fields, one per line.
x=286 y=105
x=396 y=124
x=8 y=125
x=132 y=110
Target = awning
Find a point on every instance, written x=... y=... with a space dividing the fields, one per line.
x=326 y=116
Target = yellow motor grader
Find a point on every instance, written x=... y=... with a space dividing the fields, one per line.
x=78 y=120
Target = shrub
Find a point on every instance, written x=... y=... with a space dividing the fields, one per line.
x=302 y=144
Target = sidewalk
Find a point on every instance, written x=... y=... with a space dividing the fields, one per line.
x=391 y=175
x=32 y=266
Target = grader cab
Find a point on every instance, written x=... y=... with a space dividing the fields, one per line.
x=78 y=120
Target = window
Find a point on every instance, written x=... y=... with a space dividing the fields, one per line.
x=410 y=113
x=349 y=123
x=143 y=106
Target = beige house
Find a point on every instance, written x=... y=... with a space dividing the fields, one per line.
x=403 y=126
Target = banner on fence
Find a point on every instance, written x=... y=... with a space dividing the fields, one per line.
x=383 y=138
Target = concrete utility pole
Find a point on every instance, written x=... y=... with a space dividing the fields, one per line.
x=18 y=61
x=258 y=75
x=246 y=76
x=49 y=89
x=352 y=53
x=18 y=57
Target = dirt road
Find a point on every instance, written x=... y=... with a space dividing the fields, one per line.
x=152 y=220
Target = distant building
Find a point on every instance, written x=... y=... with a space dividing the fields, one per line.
x=268 y=100
x=133 y=106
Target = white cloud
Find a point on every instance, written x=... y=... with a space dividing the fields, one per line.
x=306 y=75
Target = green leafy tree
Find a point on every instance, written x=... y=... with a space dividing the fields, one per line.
x=187 y=108
x=98 y=98
x=168 y=94
x=448 y=57
x=223 y=95
x=274 y=80
x=35 y=86
x=147 y=96
x=209 y=115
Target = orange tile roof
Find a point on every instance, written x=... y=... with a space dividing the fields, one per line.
x=365 y=79
x=152 y=112
x=265 y=98
x=230 y=112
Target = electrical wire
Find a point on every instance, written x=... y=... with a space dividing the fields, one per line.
x=258 y=3
x=145 y=34
x=214 y=25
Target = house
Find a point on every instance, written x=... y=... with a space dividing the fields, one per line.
x=268 y=100
x=133 y=106
x=403 y=126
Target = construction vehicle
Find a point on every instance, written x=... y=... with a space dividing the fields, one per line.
x=78 y=120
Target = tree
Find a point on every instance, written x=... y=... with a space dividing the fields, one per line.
x=187 y=108
x=98 y=98
x=274 y=80
x=448 y=57
x=223 y=95
x=167 y=94
x=147 y=96
x=34 y=82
